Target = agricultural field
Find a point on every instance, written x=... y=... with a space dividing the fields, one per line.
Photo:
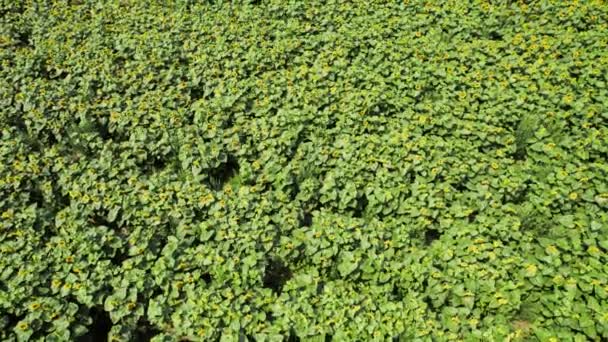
x=286 y=170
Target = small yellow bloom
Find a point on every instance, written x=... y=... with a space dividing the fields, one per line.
x=573 y=196
x=7 y=214
x=551 y=250
x=558 y=279
x=531 y=269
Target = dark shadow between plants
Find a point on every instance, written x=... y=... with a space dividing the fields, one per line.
x=100 y=328
x=276 y=275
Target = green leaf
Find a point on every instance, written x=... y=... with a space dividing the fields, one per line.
x=348 y=264
x=567 y=220
x=112 y=214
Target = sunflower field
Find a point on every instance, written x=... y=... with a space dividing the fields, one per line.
x=288 y=170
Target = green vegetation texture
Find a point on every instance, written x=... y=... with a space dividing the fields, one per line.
x=303 y=170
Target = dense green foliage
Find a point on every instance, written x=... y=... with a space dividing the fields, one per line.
x=355 y=170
